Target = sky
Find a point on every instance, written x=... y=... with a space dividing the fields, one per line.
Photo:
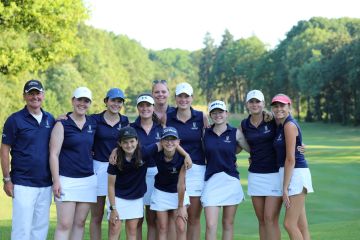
x=160 y=24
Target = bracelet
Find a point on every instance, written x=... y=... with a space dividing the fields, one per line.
x=6 y=179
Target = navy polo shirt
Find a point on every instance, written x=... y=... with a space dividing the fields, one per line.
x=190 y=134
x=130 y=181
x=147 y=139
x=260 y=140
x=280 y=145
x=29 y=148
x=220 y=152
x=106 y=136
x=75 y=159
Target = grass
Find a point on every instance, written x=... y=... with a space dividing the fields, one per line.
x=333 y=154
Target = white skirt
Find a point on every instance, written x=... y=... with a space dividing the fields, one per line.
x=222 y=189
x=150 y=181
x=100 y=170
x=264 y=184
x=129 y=209
x=195 y=180
x=164 y=201
x=300 y=179
x=77 y=189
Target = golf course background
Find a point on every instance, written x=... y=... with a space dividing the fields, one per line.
x=333 y=210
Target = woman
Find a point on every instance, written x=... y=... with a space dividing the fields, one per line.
x=160 y=93
x=148 y=133
x=109 y=123
x=294 y=172
x=168 y=198
x=71 y=164
x=263 y=179
x=222 y=182
x=190 y=124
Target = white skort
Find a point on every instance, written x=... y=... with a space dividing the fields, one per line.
x=164 y=201
x=300 y=179
x=77 y=189
x=264 y=184
x=195 y=180
x=100 y=170
x=150 y=181
x=129 y=209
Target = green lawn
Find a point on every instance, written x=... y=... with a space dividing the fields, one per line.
x=333 y=154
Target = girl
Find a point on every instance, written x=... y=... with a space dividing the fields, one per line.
x=109 y=123
x=71 y=164
x=190 y=124
x=169 y=199
x=222 y=184
x=263 y=179
x=294 y=172
x=160 y=93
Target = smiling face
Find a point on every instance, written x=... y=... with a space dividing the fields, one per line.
x=129 y=145
x=255 y=106
x=170 y=143
x=34 y=99
x=114 y=105
x=218 y=116
x=160 y=93
x=281 y=111
x=145 y=110
x=81 y=105
x=183 y=101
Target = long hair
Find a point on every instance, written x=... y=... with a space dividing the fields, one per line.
x=120 y=161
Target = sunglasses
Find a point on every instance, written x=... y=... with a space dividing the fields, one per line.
x=160 y=81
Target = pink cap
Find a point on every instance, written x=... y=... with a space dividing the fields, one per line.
x=281 y=98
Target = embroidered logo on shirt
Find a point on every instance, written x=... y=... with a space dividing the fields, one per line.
x=89 y=129
x=119 y=127
x=47 y=124
x=279 y=138
x=174 y=170
x=4 y=135
x=227 y=139
x=194 y=127
x=266 y=129
x=157 y=136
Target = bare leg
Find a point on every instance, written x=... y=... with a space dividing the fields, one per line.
x=180 y=227
x=131 y=228
x=162 y=219
x=114 y=230
x=81 y=212
x=65 y=218
x=303 y=225
x=151 y=223
x=211 y=216
x=292 y=216
x=194 y=213
x=271 y=217
x=228 y=222
x=259 y=206
x=97 y=213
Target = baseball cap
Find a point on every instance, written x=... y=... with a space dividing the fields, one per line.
x=255 y=94
x=145 y=98
x=33 y=84
x=281 y=98
x=217 y=105
x=115 y=93
x=127 y=132
x=184 y=88
x=169 y=132
x=82 y=92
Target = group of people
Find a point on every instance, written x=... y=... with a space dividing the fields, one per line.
x=167 y=165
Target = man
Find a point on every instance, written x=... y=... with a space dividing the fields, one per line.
x=26 y=137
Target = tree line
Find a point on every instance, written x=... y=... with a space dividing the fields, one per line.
x=317 y=64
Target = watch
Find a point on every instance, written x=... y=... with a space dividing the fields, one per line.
x=6 y=179
x=112 y=207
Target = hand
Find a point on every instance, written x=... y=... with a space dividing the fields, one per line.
x=62 y=117
x=113 y=157
x=188 y=162
x=286 y=199
x=182 y=213
x=268 y=116
x=114 y=217
x=56 y=189
x=9 y=188
x=301 y=148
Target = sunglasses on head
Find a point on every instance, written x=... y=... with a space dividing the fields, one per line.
x=160 y=81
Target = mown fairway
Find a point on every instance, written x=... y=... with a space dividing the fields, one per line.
x=333 y=154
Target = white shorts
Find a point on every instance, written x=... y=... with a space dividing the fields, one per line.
x=77 y=189
x=129 y=209
x=164 y=201
x=100 y=170
x=195 y=180
x=300 y=179
x=222 y=189
x=264 y=184
x=150 y=181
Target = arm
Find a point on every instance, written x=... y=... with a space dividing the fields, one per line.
x=56 y=141
x=268 y=116
x=206 y=121
x=113 y=156
x=114 y=216
x=291 y=132
x=5 y=166
x=187 y=160
x=240 y=138
x=181 y=211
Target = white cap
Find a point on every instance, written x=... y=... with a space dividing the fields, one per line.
x=145 y=98
x=217 y=105
x=82 y=92
x=184 y=88
x=255 y=94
